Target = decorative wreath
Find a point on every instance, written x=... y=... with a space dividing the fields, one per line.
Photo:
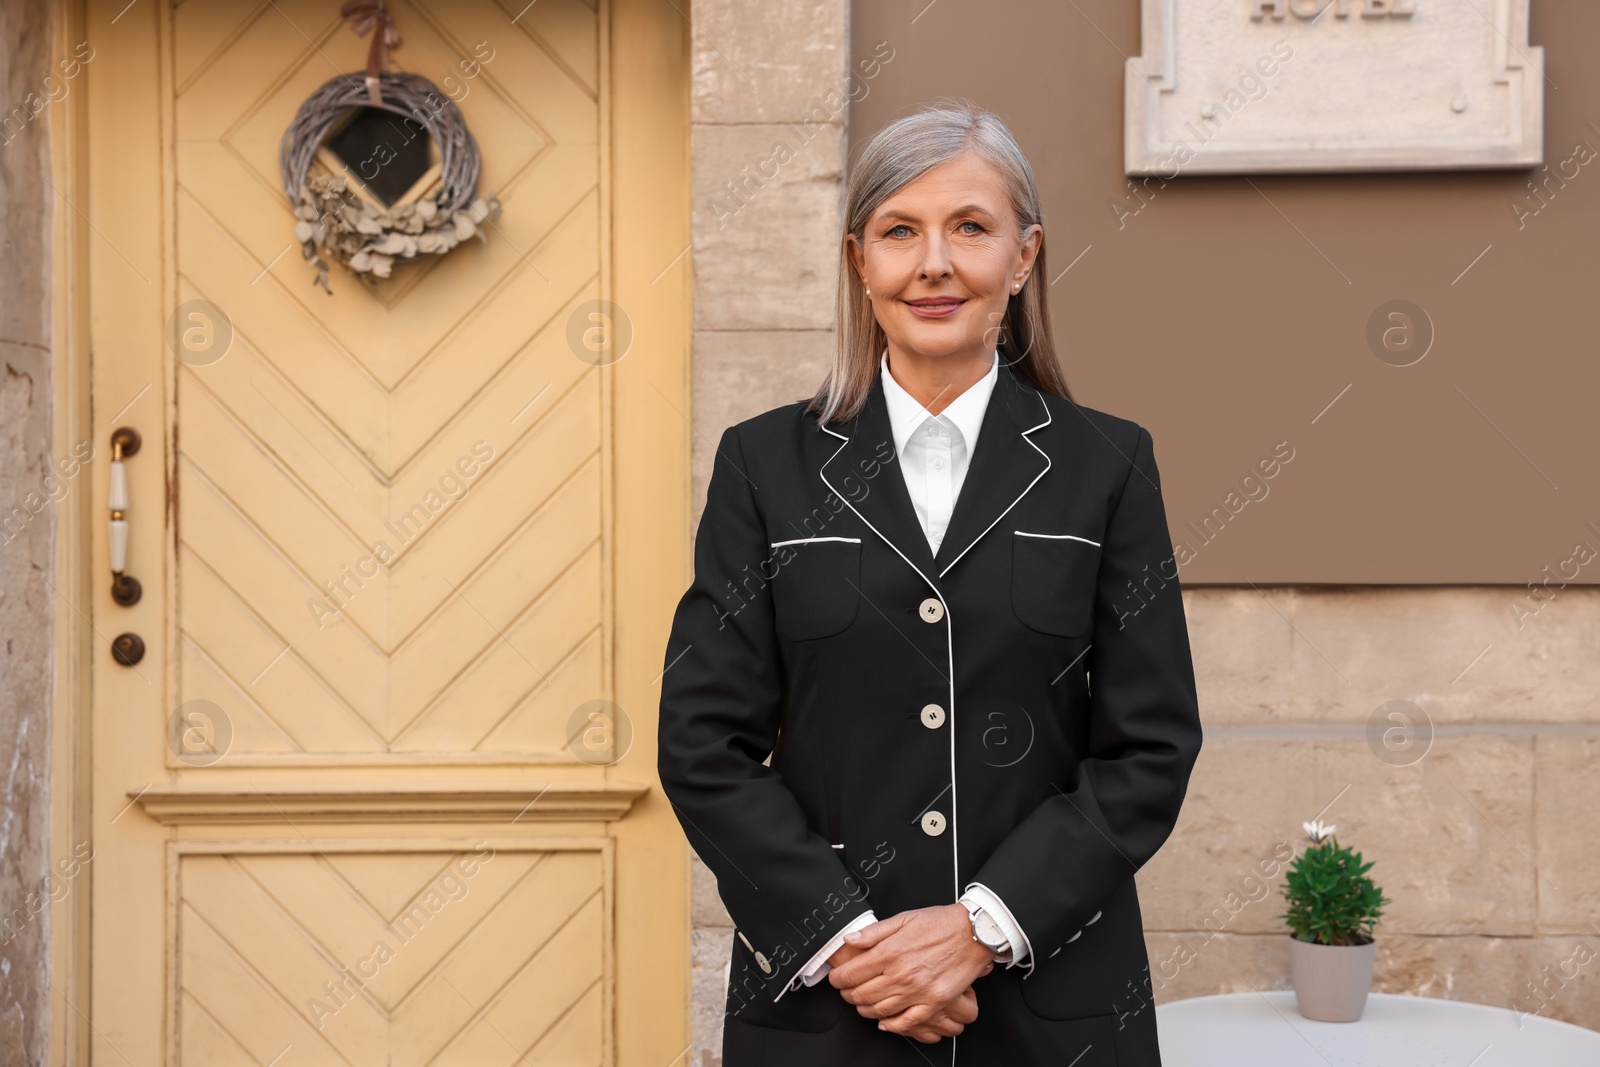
x=362 y=235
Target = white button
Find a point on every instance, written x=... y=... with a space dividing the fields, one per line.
x=1091 y=921
x=932 y=716
x=933 y=824
x=761 y=961
x=1074 y=937
x=938 y=464
x=931 y=610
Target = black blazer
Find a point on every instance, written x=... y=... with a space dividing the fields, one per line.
x=1018 y=710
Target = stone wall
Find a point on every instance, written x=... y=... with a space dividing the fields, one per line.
x=767 y=146
x=1473 y=804
x=1476 y=817
x=27 y=530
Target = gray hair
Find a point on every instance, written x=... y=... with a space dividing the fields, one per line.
x=896 y=156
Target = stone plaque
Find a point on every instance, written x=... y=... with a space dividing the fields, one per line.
x=1254 y=86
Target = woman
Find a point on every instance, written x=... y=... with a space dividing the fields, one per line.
x=928 y=704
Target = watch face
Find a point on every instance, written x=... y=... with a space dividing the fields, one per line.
x=988 y=934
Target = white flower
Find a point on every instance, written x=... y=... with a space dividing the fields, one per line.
x=1317 y=831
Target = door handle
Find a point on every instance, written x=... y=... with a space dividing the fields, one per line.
x=125 y=588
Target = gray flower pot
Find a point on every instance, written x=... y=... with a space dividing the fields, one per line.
x=1331 y=981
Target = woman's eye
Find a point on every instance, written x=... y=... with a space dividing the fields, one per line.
x=976 y=229
x=894 y=231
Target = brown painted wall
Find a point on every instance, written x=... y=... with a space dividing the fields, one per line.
x=1229 y=314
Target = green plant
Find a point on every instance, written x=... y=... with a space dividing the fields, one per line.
x=1331 y=899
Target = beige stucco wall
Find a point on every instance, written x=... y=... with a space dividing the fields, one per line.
x=1480 y=843
x=27 y=530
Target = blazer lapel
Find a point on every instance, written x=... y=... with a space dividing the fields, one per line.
x=882 y=500
x=1001 y=470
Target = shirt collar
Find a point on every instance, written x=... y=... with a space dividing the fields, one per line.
x=965 y=412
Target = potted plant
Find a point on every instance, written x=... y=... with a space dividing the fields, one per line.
x=1333 y=907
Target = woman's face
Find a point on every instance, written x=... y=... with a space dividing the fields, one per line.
x=941 y=256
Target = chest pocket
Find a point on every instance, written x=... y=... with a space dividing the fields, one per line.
x=817 y=592
x=1053 y=581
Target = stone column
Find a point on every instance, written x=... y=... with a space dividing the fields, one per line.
x=27 y=529
x=767 y=145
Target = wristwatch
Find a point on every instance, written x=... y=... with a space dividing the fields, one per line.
x=986 y=932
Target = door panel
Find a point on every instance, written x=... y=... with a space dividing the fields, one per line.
x=349 y=807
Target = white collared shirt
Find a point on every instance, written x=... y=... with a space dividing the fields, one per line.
x=934 y=451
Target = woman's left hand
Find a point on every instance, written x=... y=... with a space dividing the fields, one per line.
x=913 y=964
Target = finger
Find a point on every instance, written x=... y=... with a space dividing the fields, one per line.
x=869 y=990
x=859 y=968
x=878 y=990
x=913 y=1017
x=870 y=935
x=885 y=1009
x=936 y=1028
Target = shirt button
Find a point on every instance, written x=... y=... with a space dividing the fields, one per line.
x=931 y=610
x=933 y=824
x=932 y=716
x=762 y=962
x=938 y=464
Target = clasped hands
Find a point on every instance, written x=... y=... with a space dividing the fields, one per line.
x=913 y=972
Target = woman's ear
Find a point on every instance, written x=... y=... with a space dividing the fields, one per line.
x=852 y=248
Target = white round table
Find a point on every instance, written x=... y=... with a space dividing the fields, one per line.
x=1266 y=1029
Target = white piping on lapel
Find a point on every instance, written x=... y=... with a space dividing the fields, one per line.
x=950 y=657
x=1020 y=495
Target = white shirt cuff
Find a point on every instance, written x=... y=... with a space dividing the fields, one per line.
x=981 y=896
x=817 y=968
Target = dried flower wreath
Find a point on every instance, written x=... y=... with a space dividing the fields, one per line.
x=363 y=236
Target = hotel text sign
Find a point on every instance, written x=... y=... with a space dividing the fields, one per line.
x=1311 y=9
x=1261 y=86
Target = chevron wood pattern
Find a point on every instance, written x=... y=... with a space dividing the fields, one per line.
x=478 y=957
x=388 y=533
x=391 y=535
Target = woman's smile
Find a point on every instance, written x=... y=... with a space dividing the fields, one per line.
x=935 y=307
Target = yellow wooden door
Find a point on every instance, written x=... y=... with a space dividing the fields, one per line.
x=408 y=552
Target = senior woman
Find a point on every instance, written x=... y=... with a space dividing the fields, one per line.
x=928 y=704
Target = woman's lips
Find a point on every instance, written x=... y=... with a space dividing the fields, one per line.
x=935 y=311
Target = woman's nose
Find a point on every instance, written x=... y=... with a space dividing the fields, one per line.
x=935 y=257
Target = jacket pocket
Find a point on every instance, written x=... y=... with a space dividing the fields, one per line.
x=807 y=1009
x=816 y=591
x=1103 y=966
x=1053 y=581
